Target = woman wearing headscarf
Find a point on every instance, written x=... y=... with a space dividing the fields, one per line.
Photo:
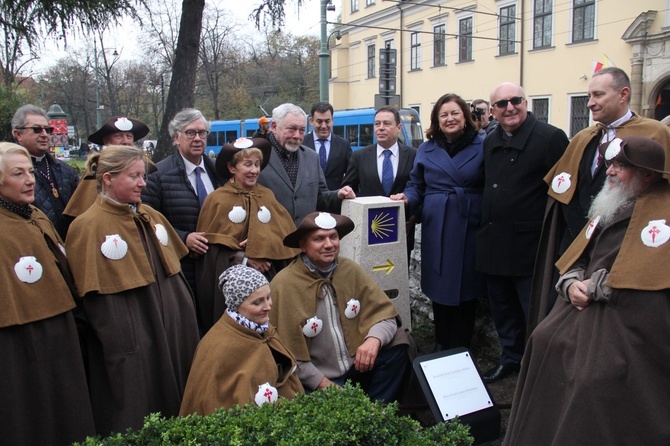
x=241 y=360
x=142 y=325
x=44 y=396
x=243 y=223
x=448 y=179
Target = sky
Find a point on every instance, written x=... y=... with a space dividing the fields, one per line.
x=306 y=21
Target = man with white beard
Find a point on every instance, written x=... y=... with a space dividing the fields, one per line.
x=294 y=173
x=596 y=370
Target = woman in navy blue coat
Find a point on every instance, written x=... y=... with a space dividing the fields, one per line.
x=448 y=178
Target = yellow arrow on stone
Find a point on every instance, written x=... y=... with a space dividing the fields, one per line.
x=388 y=267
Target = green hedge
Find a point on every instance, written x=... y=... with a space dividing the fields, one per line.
x=333 y=416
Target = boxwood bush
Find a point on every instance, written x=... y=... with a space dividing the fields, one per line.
x=334 y=416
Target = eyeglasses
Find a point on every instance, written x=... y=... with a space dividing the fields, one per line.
x=37 y=129
x=616 y=166
x=190 y=134
x=515 y=100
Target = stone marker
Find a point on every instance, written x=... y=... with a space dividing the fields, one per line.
x=378 y=244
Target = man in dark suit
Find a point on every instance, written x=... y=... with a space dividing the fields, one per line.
x=365 y=173
x=334 y=152
x=182 y=182
x=517 y=156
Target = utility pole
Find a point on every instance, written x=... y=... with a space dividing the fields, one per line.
x=324 y=54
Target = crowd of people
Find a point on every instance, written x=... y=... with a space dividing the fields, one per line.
x=192 y=284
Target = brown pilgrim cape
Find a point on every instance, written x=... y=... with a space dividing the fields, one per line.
x=231 y=362
x=295 y=291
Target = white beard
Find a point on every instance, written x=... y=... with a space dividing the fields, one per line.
x=291 y=147
x=614 y=197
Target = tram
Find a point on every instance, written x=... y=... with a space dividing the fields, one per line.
x=356 y=126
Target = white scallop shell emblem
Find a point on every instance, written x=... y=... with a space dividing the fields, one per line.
x=655 y=233
x=325 y=221
x=593 y=224
x=264 y=215
x=561 y=182
x=28 y=269
x=161 y=234
x=114 y=247
x=62 y=249
x=266 y=394
x=613 y=149
x=312 y=327
x=243 y=143
x=123 y=124
x=353 y=308
x=237 y=215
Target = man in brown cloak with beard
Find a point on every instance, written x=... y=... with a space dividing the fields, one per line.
x=596 y=370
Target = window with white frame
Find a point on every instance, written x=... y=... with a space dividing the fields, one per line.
x=583 y=20
x=354 y=5
x=465 y=39
x=507 y=29
x=371 y=61
x=369 y=2
x=439 y=45
x=415 y=51
x=579 y=114
x=542 y=23
x=540 y=108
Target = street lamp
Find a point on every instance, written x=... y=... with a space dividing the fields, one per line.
x=324 y=55
x=98 y=107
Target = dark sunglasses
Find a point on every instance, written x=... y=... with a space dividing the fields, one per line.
x=37 y=129
x=515 y=100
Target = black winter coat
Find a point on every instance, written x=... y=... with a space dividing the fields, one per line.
x=515 y=196
x=66 y=178
x=170 y=192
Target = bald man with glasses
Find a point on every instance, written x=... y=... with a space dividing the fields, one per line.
x=517 y=156
x=55 y=180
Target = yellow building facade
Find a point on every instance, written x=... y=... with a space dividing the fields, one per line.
x=550 y=47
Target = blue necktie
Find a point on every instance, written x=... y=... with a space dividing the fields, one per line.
x=387 y=172
x=200 y=186
x=322 y=154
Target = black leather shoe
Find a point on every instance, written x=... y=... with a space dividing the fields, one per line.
x=499 y=372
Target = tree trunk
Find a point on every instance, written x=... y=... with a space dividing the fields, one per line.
x=182 y=84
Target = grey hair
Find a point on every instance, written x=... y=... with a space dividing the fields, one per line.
x=184 y=118
x=619 y=77
x=280 y=112
x=19 y=118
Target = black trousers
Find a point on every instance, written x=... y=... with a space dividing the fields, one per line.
x=454 y=325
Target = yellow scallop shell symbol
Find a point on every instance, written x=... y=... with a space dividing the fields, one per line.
x=382 y=225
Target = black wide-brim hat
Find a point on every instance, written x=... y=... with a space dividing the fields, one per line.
x=638 y=151
x=229 y=150
x=117 y=124
x=319 y=220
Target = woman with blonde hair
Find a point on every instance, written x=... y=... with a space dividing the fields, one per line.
x=42 y=380
x=142 y=325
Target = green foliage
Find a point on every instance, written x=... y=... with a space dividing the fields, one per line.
x=9 y=102
x=333 y=416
